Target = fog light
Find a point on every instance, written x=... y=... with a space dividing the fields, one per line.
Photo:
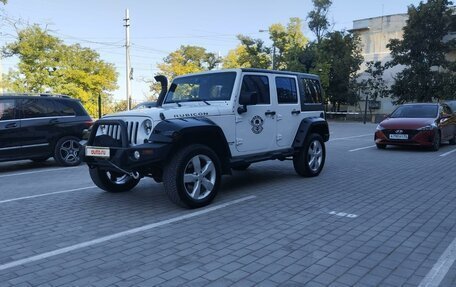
x=136 y=154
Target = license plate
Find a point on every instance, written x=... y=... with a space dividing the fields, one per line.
x=97 y=151
x=398 y=137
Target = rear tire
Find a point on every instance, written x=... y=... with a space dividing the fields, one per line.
x=112 y=181
x=192 y=177
x=310 y=159
x=381 y=146
x=436 y=142
x=453 y=141
x=66 y=152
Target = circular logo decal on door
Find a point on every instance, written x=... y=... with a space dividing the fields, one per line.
x=257 y=124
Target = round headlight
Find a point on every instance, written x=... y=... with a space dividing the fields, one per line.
x=147 y=126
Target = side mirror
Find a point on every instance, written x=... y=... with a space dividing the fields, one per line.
x=247 y=99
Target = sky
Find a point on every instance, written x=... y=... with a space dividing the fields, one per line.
x=160 y=27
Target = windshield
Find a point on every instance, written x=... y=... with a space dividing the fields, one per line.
x=415 y=111
x=207 y=87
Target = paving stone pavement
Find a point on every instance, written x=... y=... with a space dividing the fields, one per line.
x=372 y=218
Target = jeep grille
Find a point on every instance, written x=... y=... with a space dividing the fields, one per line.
x=114 y=131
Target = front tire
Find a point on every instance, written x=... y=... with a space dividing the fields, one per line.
x=381 y=146
x=66 y=152
x=192 y=177
x=436 y=141
x=310 y=159
x=112 y=181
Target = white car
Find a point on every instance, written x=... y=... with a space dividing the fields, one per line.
x=208 y=124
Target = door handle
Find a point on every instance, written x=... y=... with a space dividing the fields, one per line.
x=295 y=112
x=270 y=113
x=11 y=125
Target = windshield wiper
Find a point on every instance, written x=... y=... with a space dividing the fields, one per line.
x=178 y=103
x=206 y=102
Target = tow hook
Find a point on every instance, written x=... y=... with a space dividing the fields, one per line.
x=134 y=174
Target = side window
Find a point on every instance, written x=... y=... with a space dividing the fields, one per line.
x=259 y=85
x=38 y=108
x=286 y=90
x=8 y=110
x=313 y=91
x=64 y=109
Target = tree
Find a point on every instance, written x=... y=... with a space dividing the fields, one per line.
x=251 y=53
x=234 y=58
x=338 y=60
x=428 y=75
x=4 y=1
x=373 y=85
x=289 y=43
x=46 y=64
x=318 y=21
x=185 y=60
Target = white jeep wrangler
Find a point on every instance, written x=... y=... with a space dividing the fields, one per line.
x=206 y=125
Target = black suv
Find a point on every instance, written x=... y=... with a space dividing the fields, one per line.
x=38 y=127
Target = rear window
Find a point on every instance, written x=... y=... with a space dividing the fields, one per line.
x=64 y=109
x=38 y=108
x=312 y=89
x=7 y=110
x=418 y=111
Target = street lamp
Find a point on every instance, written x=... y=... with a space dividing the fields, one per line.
x=273 y=49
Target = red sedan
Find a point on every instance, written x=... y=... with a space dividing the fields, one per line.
x=419 y=125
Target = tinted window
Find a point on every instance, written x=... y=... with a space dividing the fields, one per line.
x=286 y=90
x=38 y=108
x=418 y=111
x=259 y=85
x=313 y=91
x=7 y=110
x=63 y=109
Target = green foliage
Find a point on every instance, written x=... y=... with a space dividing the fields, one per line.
x=338 y=57
x=374 y=85
x=289 y=43
x=428 y=74
x=185 y=60
x=46 y=64
x=4 y=1
x=318 y=21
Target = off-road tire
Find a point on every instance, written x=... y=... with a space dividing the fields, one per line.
x=241 y=167
x=103 y=181
x=180 y=164
x=314 y=147
x=381 y=146
x=64 y=158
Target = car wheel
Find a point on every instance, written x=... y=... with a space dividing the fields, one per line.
x=192 y=177
x=40 y=159
x=453 y=140
x=381 y=146
x=310 y=159
x=66 y=151
x=436 y=141
x=241 y=167
x=112 y=181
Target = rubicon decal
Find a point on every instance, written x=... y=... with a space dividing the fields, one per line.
x=200 y=114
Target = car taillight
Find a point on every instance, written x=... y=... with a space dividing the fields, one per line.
x=88 y=123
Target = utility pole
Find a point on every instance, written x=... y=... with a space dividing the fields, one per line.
x=127 y=54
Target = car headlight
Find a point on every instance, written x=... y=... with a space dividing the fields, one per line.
x=427 y=128
x=147 y=127
x=380 y=128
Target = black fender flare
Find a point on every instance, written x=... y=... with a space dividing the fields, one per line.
x=180 y=132
x=309 y=126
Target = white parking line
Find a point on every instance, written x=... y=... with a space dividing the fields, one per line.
x=441 y=267
x=347 y=138
x=120 y=234
x=447 y=153
x=361 y=148
x=37 y=171
x=44 y=194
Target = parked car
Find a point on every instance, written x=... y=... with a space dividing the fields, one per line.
x=43 y=126
x=145 y=105
x=418 y=124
